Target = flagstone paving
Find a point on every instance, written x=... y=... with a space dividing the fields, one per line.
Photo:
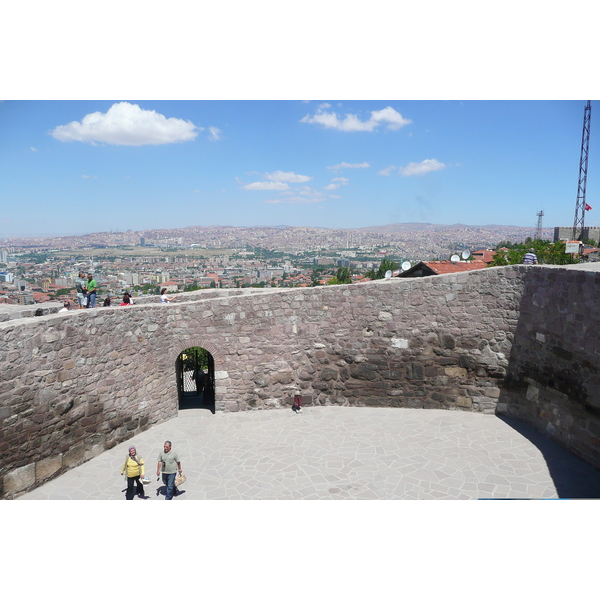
x=340 y=453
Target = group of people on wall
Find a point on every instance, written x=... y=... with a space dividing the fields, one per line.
x=87 y=289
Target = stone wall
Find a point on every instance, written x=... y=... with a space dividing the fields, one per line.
x=74 y=384
x=553 y=380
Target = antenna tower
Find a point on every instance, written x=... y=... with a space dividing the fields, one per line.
x=538 y=231
x=583 y=168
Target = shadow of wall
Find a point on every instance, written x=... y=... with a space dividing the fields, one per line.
x=553 y=379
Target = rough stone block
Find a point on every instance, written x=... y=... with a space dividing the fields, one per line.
x=47 y=467
x=532 y=393
x=19 y=479
x=456 y=372
x=327 y=374
x=399 y=343
x=464 y=402
x=448 y=341
x=63 y=376
x=74 y=456
x=414 y=370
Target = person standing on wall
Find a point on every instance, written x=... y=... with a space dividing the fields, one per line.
x=168 y=460
x=92 y=288
x=134 y=465
x=80 y=287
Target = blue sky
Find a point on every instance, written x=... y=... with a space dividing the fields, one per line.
x=75 y=167
x=271 y=115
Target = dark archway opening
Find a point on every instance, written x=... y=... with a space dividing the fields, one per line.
x=195 y=369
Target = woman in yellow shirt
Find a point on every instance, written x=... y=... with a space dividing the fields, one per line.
x=134 y=465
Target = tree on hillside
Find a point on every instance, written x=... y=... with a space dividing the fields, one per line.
x=341 y=277
x=386 y=265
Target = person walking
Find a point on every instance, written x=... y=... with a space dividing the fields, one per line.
x=134 y=465
x=80 y=287
x=168 y=460
x=530 y=258
x=92 y=288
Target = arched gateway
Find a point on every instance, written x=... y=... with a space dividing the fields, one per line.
x=195 y=371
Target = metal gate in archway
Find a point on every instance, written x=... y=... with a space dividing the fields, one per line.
x=195 y=371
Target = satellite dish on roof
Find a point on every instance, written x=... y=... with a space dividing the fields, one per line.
x=406 y=265
x=455 y=258
x=465 y=254
x=388 y=274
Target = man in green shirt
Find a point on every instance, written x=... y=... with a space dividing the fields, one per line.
x=92 y=287
x=169 y=461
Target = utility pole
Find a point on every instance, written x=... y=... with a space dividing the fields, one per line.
x=538 y=231
x=580 y=205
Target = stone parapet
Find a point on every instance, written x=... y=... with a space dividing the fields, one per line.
x=76 y=383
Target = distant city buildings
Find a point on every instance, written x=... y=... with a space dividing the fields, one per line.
x=41 y=269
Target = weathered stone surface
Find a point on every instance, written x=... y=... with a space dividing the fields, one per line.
x=47 y=467
x=464 y=401
x=19 y=480
x=400 y=341
x=74 y=456
x=455 y=372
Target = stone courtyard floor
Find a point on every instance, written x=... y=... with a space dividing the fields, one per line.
x=340 y=453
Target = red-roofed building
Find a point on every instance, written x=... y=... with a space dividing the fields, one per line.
x=487 y=256
x=592 y=253
x=170 y=285
x=40 y=297
x=442 y=267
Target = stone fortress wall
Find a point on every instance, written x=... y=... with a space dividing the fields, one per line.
x=521 y=341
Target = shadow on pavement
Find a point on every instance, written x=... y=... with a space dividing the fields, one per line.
x=572 y=477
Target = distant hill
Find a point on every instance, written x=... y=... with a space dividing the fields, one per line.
x=407 y=227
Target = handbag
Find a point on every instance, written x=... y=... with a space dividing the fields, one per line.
x=179 y=480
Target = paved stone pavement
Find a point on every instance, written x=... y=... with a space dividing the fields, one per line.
x=341 y=453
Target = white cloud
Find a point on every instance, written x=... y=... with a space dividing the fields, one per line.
x=387 y=170
x=345 y=165
x=290 y=176
x=267 y=185
x=33 y=149
x=336 y=182
x=388 y=115
x=330 y=120
x=215 y=134
x=126 y=124
x=428 y=165
x=89 y=177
